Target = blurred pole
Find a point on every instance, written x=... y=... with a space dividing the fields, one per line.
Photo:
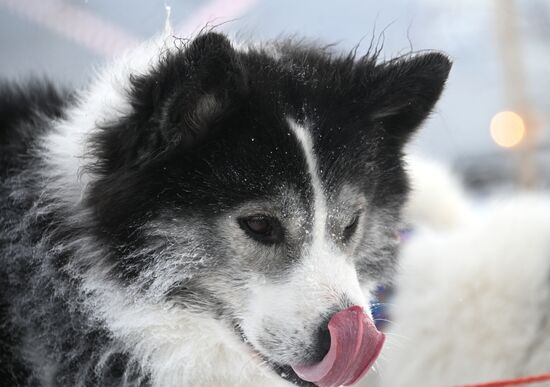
x=515 y=87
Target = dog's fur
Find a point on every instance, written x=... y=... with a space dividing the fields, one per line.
x=125 y=253
x=472 y=300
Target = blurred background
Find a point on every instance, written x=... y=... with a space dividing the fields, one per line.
x=491 y=126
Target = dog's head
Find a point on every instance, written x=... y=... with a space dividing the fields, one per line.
x=262 y=187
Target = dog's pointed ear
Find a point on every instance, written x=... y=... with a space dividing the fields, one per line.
x=404 y=91
x=176 y=104
x=212 y=85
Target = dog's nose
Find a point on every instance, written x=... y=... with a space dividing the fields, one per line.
x=322 y=345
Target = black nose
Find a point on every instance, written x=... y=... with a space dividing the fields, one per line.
x=322 y=344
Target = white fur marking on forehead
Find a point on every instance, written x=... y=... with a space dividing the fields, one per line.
x=320 y=203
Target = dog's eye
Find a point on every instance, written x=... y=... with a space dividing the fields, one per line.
x=262 y=228
x=349 y=230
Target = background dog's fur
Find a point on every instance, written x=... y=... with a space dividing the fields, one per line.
x=472 y=300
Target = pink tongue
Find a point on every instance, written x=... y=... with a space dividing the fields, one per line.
x=354 y=345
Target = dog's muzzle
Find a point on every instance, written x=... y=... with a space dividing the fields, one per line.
x=355 y=343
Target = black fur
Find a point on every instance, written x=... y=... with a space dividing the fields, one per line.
x=24 y=114
x=207 y=132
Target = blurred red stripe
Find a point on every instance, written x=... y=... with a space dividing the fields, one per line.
x=512 y=382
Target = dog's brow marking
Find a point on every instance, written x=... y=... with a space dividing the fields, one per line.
x=320 y=204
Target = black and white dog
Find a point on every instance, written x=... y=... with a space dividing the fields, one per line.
x=204 y=215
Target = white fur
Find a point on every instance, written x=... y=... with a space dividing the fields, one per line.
x=177 y=347
x=437 y=199
x=473 y=298
x=320 y=214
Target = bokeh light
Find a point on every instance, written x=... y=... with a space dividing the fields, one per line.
x=507 y=129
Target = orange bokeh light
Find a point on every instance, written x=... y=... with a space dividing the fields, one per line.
x=507 y=129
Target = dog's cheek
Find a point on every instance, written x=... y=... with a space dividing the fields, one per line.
x=272 y=321
x=376 y=256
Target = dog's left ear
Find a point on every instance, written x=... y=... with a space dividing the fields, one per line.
x=404 y=91
x=175 y=104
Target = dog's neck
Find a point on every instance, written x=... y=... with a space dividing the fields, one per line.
x=177 y=347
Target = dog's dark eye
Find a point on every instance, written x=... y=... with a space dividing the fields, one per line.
x=349 y=230
x=262 y=228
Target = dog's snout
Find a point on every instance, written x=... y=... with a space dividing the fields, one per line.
x=323 y=340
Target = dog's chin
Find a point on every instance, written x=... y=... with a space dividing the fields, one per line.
x=287 y=373
x=284 y=371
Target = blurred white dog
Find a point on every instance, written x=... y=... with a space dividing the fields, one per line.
x=472 y=301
